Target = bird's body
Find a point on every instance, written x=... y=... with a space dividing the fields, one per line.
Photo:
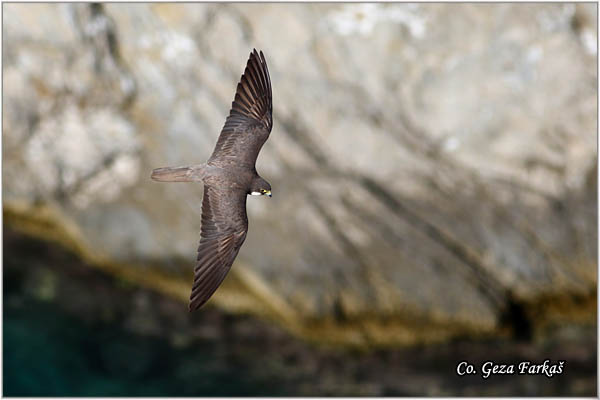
x=229 y=176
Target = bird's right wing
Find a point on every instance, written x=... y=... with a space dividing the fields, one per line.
x=224 y=228
x=250 y=119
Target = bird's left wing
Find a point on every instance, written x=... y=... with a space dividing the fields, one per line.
x=224 y=228
x=251 y=117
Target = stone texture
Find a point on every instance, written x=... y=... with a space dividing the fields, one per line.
x=433 y=160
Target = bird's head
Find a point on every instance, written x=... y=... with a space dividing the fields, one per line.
x=260 y=187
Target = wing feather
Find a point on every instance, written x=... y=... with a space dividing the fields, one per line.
x=250 y=119
x=224 y=228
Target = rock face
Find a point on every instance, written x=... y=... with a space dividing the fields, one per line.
x=127 y=340
x=433 y=166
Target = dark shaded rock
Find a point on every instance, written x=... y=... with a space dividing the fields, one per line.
x=422 y=181
x=54 y=349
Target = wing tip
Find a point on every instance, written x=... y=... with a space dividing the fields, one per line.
x=258 y=54
x=193 y=307
x=253 y=96
x=197 y=300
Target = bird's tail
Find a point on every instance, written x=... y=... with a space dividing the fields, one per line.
x=174 y=174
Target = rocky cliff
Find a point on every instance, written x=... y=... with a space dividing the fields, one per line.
x=433 y=165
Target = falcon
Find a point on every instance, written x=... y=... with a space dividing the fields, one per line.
x=228 y=177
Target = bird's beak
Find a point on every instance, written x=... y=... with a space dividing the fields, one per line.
x=268 y=193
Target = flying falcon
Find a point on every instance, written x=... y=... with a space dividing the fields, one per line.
x=229 y=176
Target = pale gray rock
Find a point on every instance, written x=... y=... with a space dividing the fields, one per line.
x=433 y=159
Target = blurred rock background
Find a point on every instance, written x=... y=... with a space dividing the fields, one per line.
x=433 y=165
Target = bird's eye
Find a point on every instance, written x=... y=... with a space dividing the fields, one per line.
x=263 y=191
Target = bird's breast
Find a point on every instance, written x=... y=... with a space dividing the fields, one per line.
x=230 y=178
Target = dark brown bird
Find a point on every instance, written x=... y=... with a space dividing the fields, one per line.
x=229 y=176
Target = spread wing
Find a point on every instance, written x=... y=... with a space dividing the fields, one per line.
x=250 y=119
x=224 y=228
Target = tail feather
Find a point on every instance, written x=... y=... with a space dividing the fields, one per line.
x=173 y=174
